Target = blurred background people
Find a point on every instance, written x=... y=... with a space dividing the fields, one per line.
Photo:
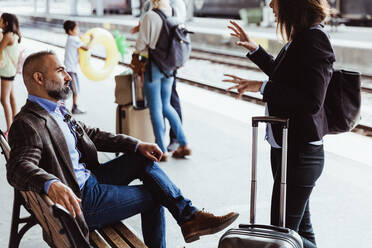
x=179 y=12
x=9 y=54
x=157 y=85
x=71 y=62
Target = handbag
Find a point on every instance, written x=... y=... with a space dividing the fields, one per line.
x=343 y=101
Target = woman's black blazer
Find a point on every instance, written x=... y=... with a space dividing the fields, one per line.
x=298 y=81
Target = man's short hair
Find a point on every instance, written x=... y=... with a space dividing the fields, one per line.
x=69 y=25
x=32 y=58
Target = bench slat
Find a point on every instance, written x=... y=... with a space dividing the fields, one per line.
x=129 y=235
x=113 y=238
x=96 y=240
x=45 y=217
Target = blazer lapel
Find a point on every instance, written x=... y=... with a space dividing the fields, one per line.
x=56 y=135
x=279 y=59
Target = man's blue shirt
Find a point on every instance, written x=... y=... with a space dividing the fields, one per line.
x=57 y=111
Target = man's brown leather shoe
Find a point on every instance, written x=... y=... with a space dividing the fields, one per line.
x=204 y=223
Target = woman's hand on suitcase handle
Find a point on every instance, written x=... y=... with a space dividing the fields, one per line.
x=243 y=37
x=150 y=151
x=242 y=85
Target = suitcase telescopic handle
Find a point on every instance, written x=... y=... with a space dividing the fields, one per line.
x=134 y=94
x=283 y=181
x=271 y=120
x=274 y=228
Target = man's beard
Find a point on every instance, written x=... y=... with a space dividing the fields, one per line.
x=59 y=93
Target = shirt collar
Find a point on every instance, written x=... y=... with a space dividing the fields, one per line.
x=48 y=105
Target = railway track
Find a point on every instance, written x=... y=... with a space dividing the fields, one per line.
x=223 y=59
x=244 y=63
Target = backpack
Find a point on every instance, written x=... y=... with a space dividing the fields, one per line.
x=173 y=47
x=343 y=101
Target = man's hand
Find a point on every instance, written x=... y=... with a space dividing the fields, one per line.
x=243 y=85
x=63 y=195
x=151 y=151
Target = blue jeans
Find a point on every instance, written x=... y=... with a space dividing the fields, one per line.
x=305 y=165
x=158 y=95
x=107 y=198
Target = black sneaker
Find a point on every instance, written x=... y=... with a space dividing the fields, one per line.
x=77 y=111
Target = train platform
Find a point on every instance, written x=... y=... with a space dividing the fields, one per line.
x=217 y=175
x=352 y=45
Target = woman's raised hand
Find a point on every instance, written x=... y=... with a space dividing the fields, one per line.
x=242 y=85
x=243 y=37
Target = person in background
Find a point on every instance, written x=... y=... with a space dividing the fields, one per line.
x=157 y=85
x=179 y=9
x=73 y=44
x=9 y=54
x=296 y=89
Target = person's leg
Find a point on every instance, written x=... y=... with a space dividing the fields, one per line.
x=193 y=223
x=169 y=112
x=305 y=165
x=13 y=103
x=75 y=88
x=6 y=87
x=306 y=228
x=175 y=103
x=104 y=204
x=126 y=168
x=152 y=90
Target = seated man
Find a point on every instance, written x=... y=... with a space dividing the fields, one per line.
x=52 y=153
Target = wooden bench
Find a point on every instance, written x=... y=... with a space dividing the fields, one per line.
x=59 y=228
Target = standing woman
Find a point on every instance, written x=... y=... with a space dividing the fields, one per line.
x=157 y=85
x=9 y=56
x=296 y=89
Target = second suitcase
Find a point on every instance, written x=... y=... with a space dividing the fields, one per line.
x=264 y=236
x=134 y=122
x=133 y=118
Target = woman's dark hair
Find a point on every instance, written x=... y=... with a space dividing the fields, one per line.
x=11 y=24
x=295 y=16
x=69 y=26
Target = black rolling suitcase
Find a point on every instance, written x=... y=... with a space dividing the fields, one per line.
x=264 y=236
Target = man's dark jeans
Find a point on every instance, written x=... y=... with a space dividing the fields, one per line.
x=175 y=103
x=107 y=198
x=305 y=165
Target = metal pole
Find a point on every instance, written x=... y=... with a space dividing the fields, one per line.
x=74 y=7
x=267 y=14
x=189 y=10
x=35 y=6
x=99 y=7
x=47 y=9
